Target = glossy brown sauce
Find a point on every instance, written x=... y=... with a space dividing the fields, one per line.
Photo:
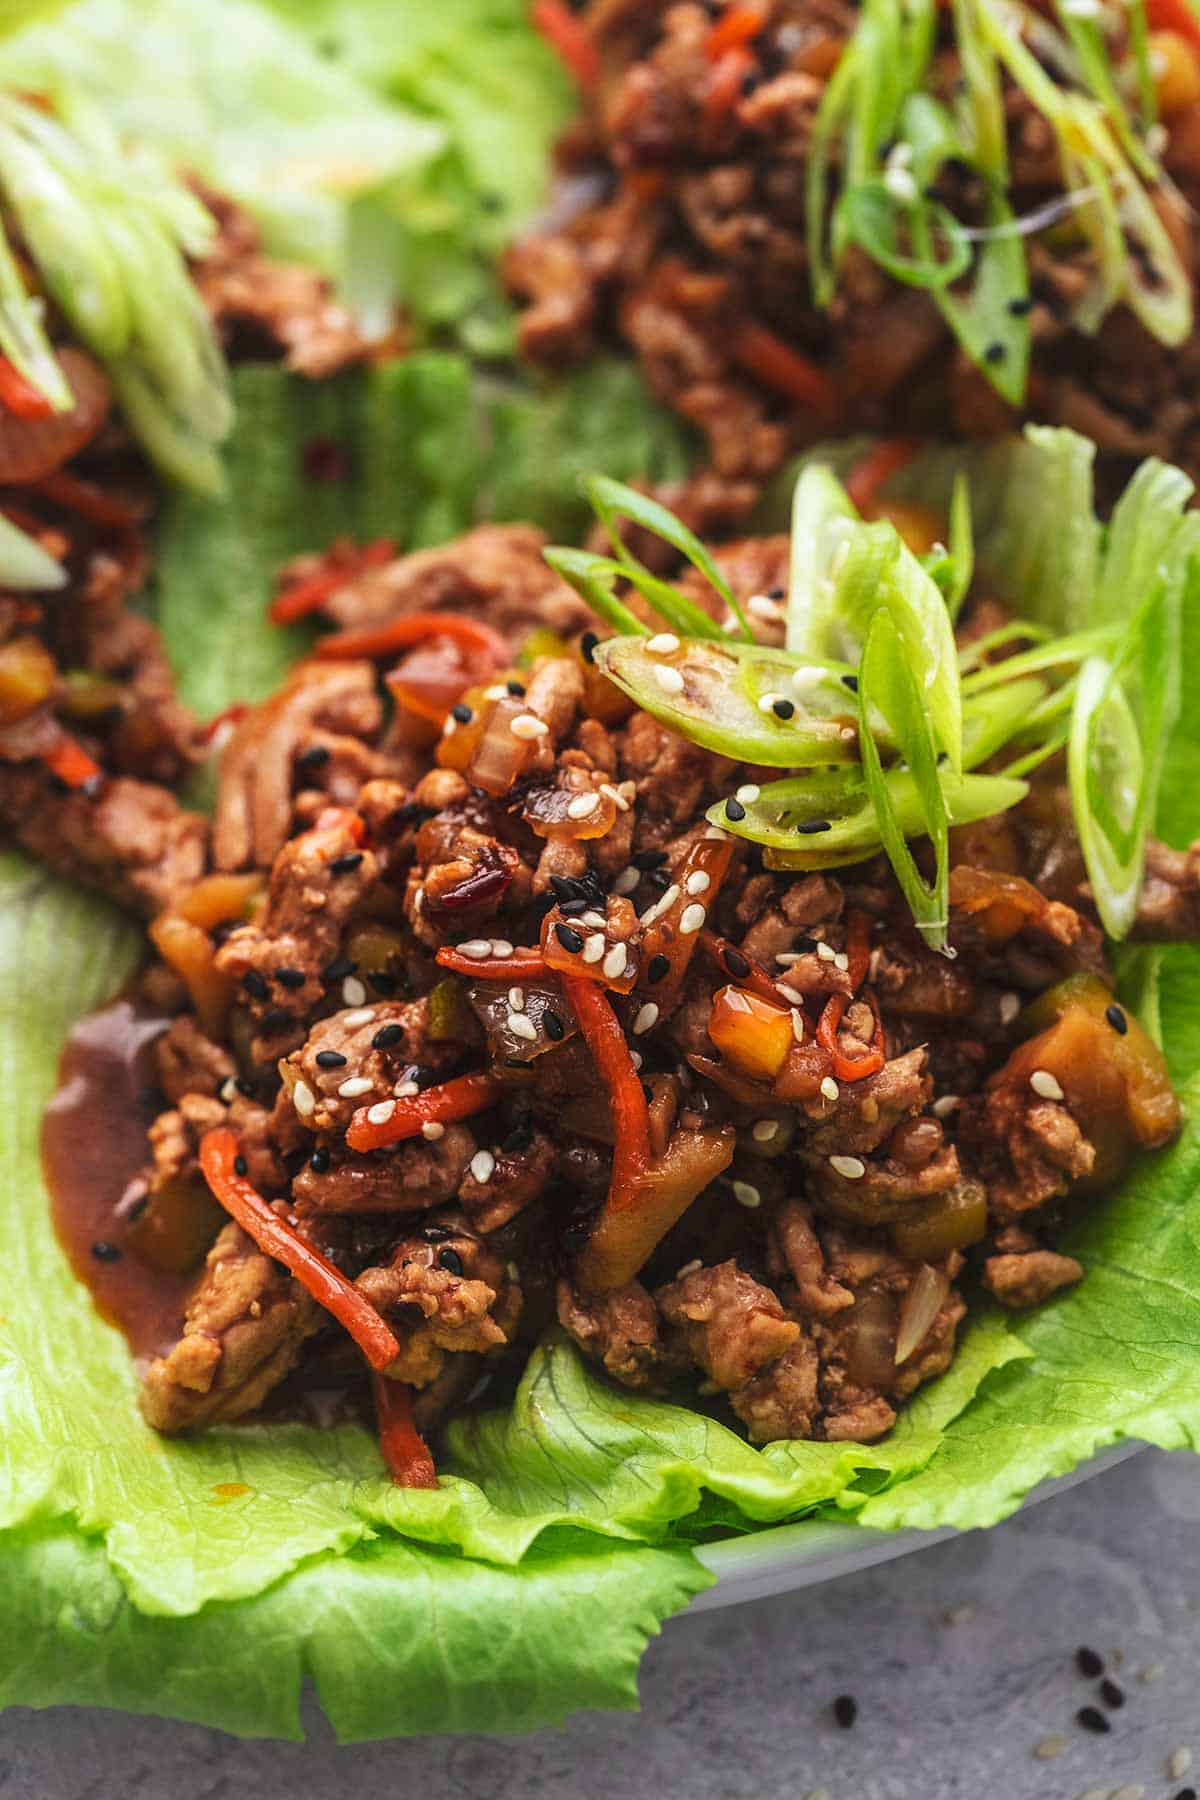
x=93 y=1149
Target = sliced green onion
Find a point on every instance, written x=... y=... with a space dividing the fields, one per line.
x=24 y=565
x=593 y=577
x=612 y=501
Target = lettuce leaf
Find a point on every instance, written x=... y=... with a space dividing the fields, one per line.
x=561 y=1535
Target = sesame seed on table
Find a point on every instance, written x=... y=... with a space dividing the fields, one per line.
x=959 y=1670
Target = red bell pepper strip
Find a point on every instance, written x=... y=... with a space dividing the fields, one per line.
x=404 y=1449
x=443 y=1105
x=875 y=470
x=414 y=628
x=776 y=365
x=858 y=951
x=276 y=1238
x=725 y=83
x=755 y=978
x=70 y=763
x=522 y=965
x=19 y=396
x=299 y=598
x=570 y=38
x=1175 y=15
x=630 y=1114
x=739 y=24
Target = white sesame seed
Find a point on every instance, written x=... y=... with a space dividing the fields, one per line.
x=450 y=725
x=748 y=793
x=501 y=947
x=381 y=1112
x=483 y=1164
x=663 y=643
x=829 y=1087
x=593 y=947
x=798 y=1026
x=614 y=963
x=513 y=1272
x=1047 y=1085
x=615 y=795
x=792 y=995
x=662 y=905
x=627 y=880
x=528 y=726
x=764 y=1130
x=841 y=961
x=761 y=606
x=1157 y=139
x=353 y=991
x=354 y=1086
x=495 y=693
x=785 y=958
x=1153 y=1672
x=847 y=734
x=476 y=948
x=304 y=1100
x=851 y=1167
x=1010 y=1006
x=432 y=1130
x=958 y=1615
x=596 y=920
x=1179 y=1763
x=404 y=1090
x=228 y=1091
x=714 y=831
x=941 y=1109
x=582 y=805
x=516 y=999
x=636 y=1058
x=522 y=1026
x=767 y=703
x=362 y=1015
x=647 y=1018
x=668 y=679
x=901 y=185
x=825 y=952
x=688 y=1269
x=698 y=882
x=746 y=1194
x=1050 y=1747
x=807 y=676
x=692 y=918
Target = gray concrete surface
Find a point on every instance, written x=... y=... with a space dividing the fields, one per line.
x=961 y=1658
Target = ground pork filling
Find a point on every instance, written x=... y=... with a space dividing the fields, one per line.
x=514 y=1040
x=679 y=225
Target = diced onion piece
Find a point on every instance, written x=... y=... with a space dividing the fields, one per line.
x=568 y=812
x=28 y=674
x=952 y=1221
x=492 y=1007
x=189 y=950
x=922 y=1304
x=216 y=899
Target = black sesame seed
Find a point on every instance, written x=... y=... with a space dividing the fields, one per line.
x=736 y=963
x=383 y=983
x=734 y=810
x=1186 y=1793
x=1089 y=1663
x=254 y=984
x=313 y=757
x=659 y=880
x=565 y=887
x=569 y=938
x=845 y=1711
x=329 y=1059
x=137 y=1209
x=571 y=909
x=290 y=978
x=318 y=1162
x=452 y=1262
x=555 y=1029
x=810 y=827
x=387 y=1037
x=1020 y=306
x=103 y=1251
x=338 y=969
x=850 y=681
x=1090 y=1718
x=657 y=967
x=461 y=713
x=783 y=709
x=1117 y=1019
x=240 y=1166
x=346 y=865
x=1112 y=1695
x=516 y=689
x=645 y=860
x=775 y=593
x=648 y=1091
x=587 y=646
x=436 y=1234
x=274 y=1019
x=995 y=352
x=805 y=944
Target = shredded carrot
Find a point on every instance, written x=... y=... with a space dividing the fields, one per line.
x=858 y=951
x=765 y=356
x=219 y=1153
x=404 y=1449
x=858 y=946
x=756 y=981
x=739 y=24
x=20 y=396
x=630 y=1113
x=444 y=1105
x=875 y=470
x=522 y=965
x=91 y=502
x=724 y=83
x=1174 y=15
x=70 y=763
x=299 y=598
x=570 y=38
x=414 y=628
x=231 y=716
